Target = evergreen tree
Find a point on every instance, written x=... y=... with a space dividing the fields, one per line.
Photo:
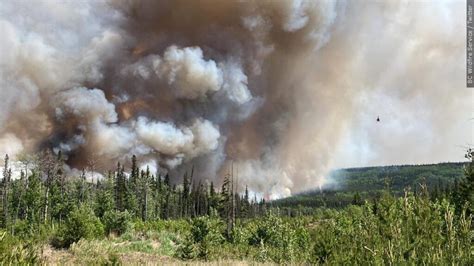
x=5 y=191
x=357 y=200
x=105 y=196
x=135 y=172
x=185 y=196
x=167 y=180
x=133 y=186
x=20 y=194
x=227 y=203
x=143 y=184
x=120 y=188
x=166 y=212
x=56 y=200
x=61 y=183
x=33 y=198
x=213 y=201
x=245 y=204
x=132 y=203
x=81 y=187
x=237 y=206
x=466 y=187
x=166 y=205
x=157 y=198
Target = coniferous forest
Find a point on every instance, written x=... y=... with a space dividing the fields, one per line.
x=134 y=216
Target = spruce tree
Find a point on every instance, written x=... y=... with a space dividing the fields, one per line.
x=466 y=186
x=105 y=196
x=245 y=209
x=227 y=203
x=158 y=196
x=167 y=198
x=144 y=200
x=357 y=199
x=120 y=188
x=21 y=210
x=5 y=191
x=33 y=198
x=185 y=196
x=134 y=175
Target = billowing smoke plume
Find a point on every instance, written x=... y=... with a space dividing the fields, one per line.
x=286 y=90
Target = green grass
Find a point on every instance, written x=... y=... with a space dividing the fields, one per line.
x=396 y=230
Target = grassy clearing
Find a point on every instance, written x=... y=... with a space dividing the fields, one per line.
x=133 y=247
x=407 y=230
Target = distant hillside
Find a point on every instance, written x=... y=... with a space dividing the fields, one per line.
x=368 y=182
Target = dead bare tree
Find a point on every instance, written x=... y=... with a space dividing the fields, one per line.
x=47 y=165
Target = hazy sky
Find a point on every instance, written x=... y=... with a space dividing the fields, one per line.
x=416 y=76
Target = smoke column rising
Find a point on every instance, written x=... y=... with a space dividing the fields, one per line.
x=286 y=90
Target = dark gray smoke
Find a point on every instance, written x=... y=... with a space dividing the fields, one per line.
x=285 y=90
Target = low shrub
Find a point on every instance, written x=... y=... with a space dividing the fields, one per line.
x=117 y=222
x=205 y=235
x=280 y=239
x=81 y=223
x=13 y=252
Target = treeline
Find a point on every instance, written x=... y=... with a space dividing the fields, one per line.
x=398 y=177
x=307 y=203
x=45 y=195
x=356 y=185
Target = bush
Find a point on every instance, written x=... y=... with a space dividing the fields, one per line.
x=187 y=249
x=13 y=252
x=81 y=223
x=117 y=222
x=408 y=230
x=279 y=239
x=206 y=234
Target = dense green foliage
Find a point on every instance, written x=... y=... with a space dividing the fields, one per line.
x=117 y=222
x=81 y=223
x=349 y=186
x=108 y=221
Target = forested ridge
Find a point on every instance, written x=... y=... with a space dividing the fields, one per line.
x=350 y=185
x=393 y=214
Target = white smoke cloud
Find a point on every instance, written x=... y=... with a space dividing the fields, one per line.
x=188 y=73
x=191 y=76
x=164 y=137
x=10 y=144
x=206 y=137
x=90 y=105
x=90 y=176
x=114 y=141
x=202 y=137
x=150 y=165
x=297 y=18
x=235 y=83
x=140 y=137
x=101 y=49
